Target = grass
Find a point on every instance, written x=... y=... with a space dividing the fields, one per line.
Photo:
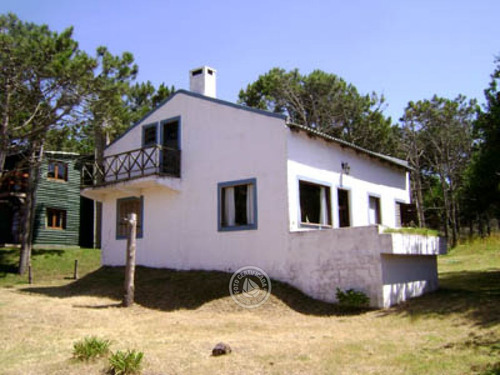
x=411 y=230
x=180 y=316
x=49 y=266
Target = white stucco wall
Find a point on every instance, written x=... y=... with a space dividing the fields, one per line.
x=317 y=160
x=219 y=143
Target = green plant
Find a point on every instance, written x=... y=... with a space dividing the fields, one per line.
x=352 y=298
x=90 y=348
x=124 y=363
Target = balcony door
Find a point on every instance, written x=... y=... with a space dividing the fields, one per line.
x=170 y=140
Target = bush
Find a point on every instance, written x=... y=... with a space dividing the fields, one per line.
x=90 y=348
x=352 y=298
x=124 y=363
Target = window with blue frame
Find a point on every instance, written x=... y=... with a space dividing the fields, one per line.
x=149 y=135
x=237 y=205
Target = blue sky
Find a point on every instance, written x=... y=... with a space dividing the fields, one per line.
x=405 y=50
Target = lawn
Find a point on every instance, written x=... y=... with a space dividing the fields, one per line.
x=180 y=316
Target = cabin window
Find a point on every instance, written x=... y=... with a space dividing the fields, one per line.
x=57 y=171
x=149 y=137
x=56 y=218
x=374 y=216
x=237 y=202
x=124 y=207
x=315 y=204
x=344 y=209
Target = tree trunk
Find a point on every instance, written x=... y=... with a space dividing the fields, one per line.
x=34 y=161
x=4 y=140
x=419 y=200
x=128 y=298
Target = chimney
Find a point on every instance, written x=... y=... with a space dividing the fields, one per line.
x=202 y=81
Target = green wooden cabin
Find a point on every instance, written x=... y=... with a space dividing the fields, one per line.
x=62 y=216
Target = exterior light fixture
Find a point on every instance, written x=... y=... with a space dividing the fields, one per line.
x=346 y=168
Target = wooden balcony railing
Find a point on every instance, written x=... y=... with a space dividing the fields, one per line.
x=142 y=162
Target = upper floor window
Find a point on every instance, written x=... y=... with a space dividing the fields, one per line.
x=56 y=218
x=237 y=205
x=315 y=204
x=124 y=207
x=57 y=171
x=149 y=135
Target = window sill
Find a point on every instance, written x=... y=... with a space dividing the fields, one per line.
x=237 y=228
x=125 y=237
x=315 y=226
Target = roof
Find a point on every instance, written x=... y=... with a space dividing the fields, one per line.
x=309 y=130
x=385 y=158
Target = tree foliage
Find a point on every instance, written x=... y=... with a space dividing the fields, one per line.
x=327 y=103
x=437 y=139
x=481 y=196
x=41 y=79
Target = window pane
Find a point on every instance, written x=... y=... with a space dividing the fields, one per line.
x=52 y=170
x=150 y=135
x=315 y=204
x=374 y=210
x=56 y=219
x=237 y=205
x=343 y=204
x=61 y=171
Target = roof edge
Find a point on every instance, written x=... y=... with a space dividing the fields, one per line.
x=386 y=158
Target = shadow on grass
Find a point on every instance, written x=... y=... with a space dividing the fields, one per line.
x=476 y=295
x=169 y=290
x=9 y=259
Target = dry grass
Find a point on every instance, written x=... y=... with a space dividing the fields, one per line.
x=180 y=316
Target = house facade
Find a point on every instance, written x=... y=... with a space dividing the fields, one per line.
x=62 y=216
x=218 y=186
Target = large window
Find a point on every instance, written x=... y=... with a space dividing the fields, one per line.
x=374 y=216
x=124 y=207
x=56 y=218
x=57 y=171
x=315 y=204
x=237 y=202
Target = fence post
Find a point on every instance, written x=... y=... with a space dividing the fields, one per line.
x=128 y=298
x=75 y=274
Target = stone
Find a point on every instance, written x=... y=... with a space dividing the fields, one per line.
x=221 y=349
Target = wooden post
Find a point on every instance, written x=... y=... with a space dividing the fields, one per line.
x=75 y=274
x=128 y=298
x=30 y=275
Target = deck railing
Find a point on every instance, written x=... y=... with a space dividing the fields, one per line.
x=142 y=162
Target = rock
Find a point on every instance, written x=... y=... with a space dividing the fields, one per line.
x=221 y=349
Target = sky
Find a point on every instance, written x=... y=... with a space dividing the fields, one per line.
x=407 y=50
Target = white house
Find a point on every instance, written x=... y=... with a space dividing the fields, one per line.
x=218 y=186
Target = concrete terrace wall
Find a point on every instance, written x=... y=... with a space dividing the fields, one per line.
x=319 y=261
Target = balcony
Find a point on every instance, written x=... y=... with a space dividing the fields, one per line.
x=132 y=167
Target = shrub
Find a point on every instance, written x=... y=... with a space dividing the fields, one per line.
x=90 y=348
x=352 y=298
x=124 y=363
